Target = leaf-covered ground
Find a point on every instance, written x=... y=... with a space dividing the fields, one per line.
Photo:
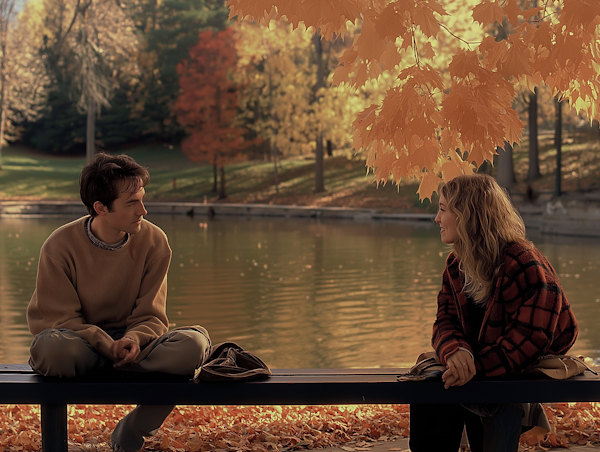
x=274 y=428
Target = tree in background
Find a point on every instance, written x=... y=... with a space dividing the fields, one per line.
x=275 y=69
x=7 y=17
x=89 y=48
x=167 y=31
x=102 y=42
x=22 y=69
x=208 y=103
x=280 y=102
x=317 y=95
x=416 y=130
x=144 y=86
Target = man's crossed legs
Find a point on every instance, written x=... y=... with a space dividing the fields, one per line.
x=62 y=353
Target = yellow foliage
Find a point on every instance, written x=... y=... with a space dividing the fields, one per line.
x=467 y=85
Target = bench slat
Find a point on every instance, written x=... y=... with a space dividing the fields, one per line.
x=19 y=385
x=315 y=388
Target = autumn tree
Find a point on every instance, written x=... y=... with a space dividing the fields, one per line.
x=282 y=102
x=166 y=31
x=426 y=128
x=22 y=68
x=89 y=51
x=275 y=69
x=101 y=41
x=208 y=103
x=7 y=15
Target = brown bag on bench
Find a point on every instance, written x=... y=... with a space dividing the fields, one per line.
x=559 y=367
x=230 y=362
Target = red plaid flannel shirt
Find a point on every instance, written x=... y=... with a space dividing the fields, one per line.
x=527 y=316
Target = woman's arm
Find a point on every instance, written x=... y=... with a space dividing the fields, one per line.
x=448 y=329
x=529 y=317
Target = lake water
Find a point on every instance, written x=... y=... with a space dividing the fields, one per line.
x=300 y=292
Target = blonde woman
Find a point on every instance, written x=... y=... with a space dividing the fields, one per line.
x=500 y=308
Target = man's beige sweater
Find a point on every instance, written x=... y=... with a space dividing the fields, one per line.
x=86 y=289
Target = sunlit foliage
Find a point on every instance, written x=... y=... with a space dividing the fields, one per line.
x=426 y=126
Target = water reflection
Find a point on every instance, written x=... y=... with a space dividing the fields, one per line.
x=298 y=292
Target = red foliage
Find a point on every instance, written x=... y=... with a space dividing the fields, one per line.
x=208 y=103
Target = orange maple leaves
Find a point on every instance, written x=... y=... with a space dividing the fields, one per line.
x=208 y=103
x=271 y=428
x=426 y=128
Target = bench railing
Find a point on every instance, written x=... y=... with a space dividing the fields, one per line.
x=18 y=385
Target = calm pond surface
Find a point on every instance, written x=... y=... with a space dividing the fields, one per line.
x=300 y=292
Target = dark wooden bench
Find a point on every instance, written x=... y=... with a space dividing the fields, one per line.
x=19 y=385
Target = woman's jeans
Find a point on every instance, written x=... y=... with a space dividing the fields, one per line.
x=439 y=427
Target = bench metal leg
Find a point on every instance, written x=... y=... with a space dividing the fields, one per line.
x=54 y=428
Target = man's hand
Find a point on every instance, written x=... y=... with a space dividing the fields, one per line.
x=124 y=351
x=461 y=369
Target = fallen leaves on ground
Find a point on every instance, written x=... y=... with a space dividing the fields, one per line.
x=572 y=424
x=355 y=428
x=230 y=428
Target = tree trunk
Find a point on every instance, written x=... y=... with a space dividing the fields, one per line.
x=329 y=148
x=506 y=170
x=273 y=133
x=215 y=177
x=5 y=19
x=319 y=151
x=558 y=145
x=222 y=194
x=275 y=174
x=534 y=163
x=90 y=137
x=319 y=183
x=2 y=109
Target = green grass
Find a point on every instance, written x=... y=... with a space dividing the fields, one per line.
x=29 y=175
x=580 y=163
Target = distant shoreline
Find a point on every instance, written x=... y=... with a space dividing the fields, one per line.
x=569 y=215
x=25 y=209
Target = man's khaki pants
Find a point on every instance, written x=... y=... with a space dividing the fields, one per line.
x=62 y=353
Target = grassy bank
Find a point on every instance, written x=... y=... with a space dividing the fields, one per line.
x=29 y=175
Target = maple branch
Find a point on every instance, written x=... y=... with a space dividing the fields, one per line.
x=414 y=45
x=468 y=43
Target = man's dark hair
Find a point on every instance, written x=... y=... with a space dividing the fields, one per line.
x=106 y=176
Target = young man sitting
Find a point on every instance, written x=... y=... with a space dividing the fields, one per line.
x=100 y=297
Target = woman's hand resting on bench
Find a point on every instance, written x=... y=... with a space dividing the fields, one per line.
x=461 y=369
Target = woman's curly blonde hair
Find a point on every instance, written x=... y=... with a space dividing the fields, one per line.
x=486 y=223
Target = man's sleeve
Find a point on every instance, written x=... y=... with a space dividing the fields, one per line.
x=149 y=318
x=55 y=304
